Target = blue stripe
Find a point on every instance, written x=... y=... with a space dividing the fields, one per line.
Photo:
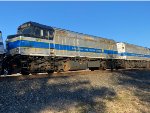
x=110 y=52
x=134 y=54
x=24 y=43
x=32 y=44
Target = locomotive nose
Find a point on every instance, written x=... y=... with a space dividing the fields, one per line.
x=0 y=34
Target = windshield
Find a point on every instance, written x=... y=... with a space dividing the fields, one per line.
x=1 y=43
x=26 y=30
x=36 y=31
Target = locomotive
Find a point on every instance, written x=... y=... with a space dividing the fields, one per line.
x=38 y=48
x=133 y=56
x=1 y=52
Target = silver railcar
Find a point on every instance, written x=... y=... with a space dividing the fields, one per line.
x=134 y=56
x=40 y=48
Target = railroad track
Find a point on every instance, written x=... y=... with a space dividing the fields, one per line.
x=19 y=77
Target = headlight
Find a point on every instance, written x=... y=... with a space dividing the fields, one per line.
x=17 y=49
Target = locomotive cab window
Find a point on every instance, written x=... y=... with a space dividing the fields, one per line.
x=41 y=33
x=46 y=34
x=51 y=34
x=1 y=43
x=26 y=30
x=36 y=31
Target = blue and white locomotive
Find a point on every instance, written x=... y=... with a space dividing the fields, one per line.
x=1 y=52
x=40 y=48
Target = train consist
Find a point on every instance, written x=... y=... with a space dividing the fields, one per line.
x=1 y=51
x=39 y=48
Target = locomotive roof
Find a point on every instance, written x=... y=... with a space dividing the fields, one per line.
x=38 y=25
x=53 y=28
x=134 y=45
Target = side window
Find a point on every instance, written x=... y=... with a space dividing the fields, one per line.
x=46 y=34
x=41 y=33
x=51 y=34
x=37 y=32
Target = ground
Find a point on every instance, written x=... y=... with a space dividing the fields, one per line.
x=123 y=91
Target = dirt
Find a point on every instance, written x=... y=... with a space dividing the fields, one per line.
x=123 y=91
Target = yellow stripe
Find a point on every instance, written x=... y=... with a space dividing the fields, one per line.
x=14 y=39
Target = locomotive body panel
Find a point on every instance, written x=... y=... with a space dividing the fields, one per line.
x=133 y=52
x=1 y=44
x=66 y=44
x=73 y=44
x=29 y=46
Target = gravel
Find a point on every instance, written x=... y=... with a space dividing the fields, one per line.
x=123 y=91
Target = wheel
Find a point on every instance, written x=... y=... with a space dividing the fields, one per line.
x=1 y=71
x=112 y=69
x=117 y=68
x=6 y=71
x=50 y=71
x=66 y=67
x=25 y=72
x=92 y=69
x=33 y=73
x=60 y=70
x=103 y=65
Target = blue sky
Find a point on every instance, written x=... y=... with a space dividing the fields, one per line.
x=121 y=21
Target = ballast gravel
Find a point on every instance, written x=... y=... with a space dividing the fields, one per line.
x=123 y=91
